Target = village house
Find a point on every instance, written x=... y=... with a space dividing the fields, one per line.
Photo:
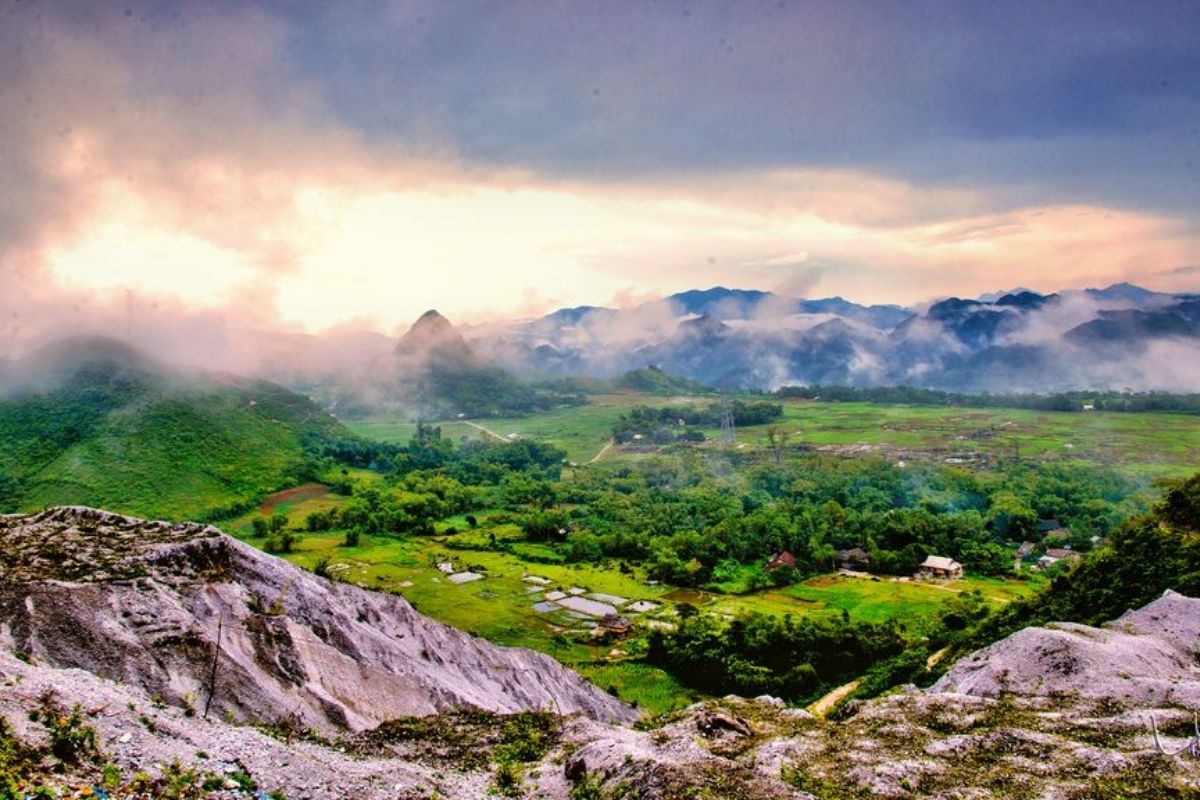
x=941 y=568
x=1056 y=554
x=784 y=559
x=854 y=558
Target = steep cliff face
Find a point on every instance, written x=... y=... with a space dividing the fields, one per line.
x=157 y=605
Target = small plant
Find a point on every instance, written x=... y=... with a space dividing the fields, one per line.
x=243 y=780
x=588 y=788
x=110 y=777
x=189 y=704
x=72 y=741
x=507 y=780
x=178 y=781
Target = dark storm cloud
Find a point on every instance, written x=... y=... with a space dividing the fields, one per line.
x=1081 y=100
x=1039 y=102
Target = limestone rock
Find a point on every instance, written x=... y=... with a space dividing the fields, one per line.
x=289 y=645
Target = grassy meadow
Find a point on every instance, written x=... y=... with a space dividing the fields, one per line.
x=1146 y=445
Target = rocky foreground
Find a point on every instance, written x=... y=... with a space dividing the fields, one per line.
x=328 y=691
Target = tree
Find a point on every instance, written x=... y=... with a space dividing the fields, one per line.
x=1010 y=517
x=777 y=439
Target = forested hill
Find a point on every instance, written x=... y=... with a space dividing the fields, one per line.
x=92 y=422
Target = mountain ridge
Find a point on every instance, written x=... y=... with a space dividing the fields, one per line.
x=1020 y=340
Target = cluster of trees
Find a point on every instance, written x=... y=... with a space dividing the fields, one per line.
x=1145 y=556
x=664 y=424
x=1060 y=401
x=690 y=530
x=480 y=390
x=429 y=479
x=690 y=526
x=796 y=659
x=274 y=530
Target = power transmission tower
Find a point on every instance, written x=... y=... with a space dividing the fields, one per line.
x=727 y=437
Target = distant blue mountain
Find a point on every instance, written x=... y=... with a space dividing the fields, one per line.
x=573 y=316
x=717 y=299
x=1127 y=292
x=747 y=338
x=744 y=303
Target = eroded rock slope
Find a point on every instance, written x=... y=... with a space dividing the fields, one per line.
x=153 y=604
x=113 y=615
x=1147 y=657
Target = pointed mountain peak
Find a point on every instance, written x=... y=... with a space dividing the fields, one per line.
x=432 y=333
x=431 y=320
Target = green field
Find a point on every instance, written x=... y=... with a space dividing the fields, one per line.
x=500 y=606
x=1141 y=444
x=580 y=430
x=1144 y=443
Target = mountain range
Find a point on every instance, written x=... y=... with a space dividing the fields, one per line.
x=1116 y=337
x=1120 y=337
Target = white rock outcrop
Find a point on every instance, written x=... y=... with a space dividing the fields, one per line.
x=1147 y=657
x=153 y=604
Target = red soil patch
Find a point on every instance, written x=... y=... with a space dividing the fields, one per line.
x=305 y=491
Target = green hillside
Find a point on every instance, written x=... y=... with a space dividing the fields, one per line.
x=652 y=380
x=99 y=425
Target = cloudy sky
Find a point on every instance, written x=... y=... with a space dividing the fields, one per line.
x=308 y=165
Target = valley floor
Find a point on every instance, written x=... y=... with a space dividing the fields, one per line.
x=503 y=605
x=1139 y=444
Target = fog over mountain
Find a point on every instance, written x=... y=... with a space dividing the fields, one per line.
x=1118 y=337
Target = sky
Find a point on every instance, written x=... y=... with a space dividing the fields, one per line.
x=312 y=165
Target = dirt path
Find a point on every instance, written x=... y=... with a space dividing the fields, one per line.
x=934 y=659
x=603 y=450
x=484 y=430
x=830 y=701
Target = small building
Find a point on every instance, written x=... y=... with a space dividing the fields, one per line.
x=784 y=559
x=854 y=558
x=1056 y=554
x=1025 y=549
x=614 y=623
x=941 y=568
